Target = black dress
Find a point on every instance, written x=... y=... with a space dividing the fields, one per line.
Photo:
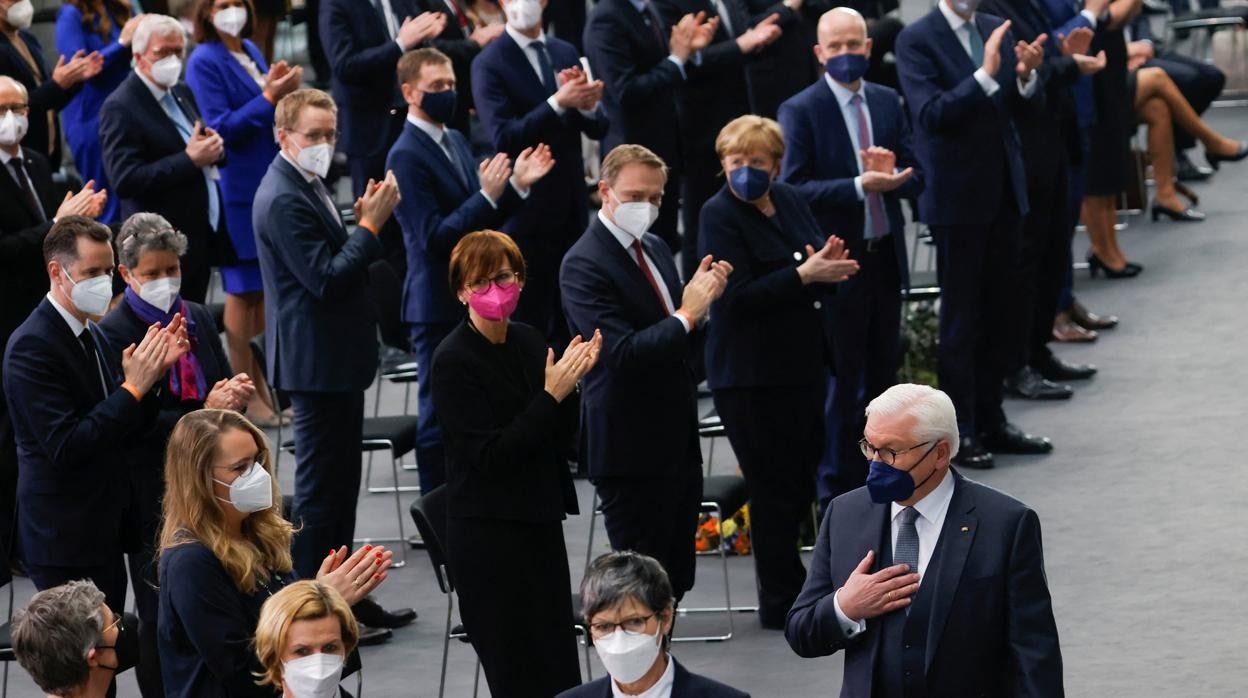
x=509 y=491
x=1111 y=132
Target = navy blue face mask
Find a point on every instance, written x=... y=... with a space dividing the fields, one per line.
x=440 y=106
x=887 y=484
x=846 y=68
x=750 y=183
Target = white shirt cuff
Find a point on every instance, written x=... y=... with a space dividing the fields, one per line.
x=400 y=45
x=850 y=627
x=1028 y=87
x=524 y=193
x=680 y=65
x=490 y=199
x=858 y=187
x=589 y=113
x=683 y=322
x=1087 y=14
x=986 y=82
x=555 y=105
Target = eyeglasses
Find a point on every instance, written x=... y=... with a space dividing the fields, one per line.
x=16 y=108
x=117 y=623
x=887 y=456
x=631 y=626
x=314 y=137
x=502 y=279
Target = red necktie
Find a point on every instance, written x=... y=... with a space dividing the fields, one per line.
x=460 y=17
x=875 y=204
x=645 y=269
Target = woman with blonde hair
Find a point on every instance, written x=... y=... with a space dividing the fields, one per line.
x=303 y=638
x=224 y=550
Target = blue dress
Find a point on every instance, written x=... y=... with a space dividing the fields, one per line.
x=81 y=117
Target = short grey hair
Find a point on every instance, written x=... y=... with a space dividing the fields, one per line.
x=16 y=84
x=147 y=232
x=933 y=412
x=154 y=25
x=619 y=576
x=851 y=12
x=52 y=636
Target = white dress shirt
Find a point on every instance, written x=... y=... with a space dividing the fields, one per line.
x=75 y=325
x=844 y=97
x=621 y=236
x=438 y=132
x=930 y=521
x=524 y=43
x=661 y=689
x=961 y=29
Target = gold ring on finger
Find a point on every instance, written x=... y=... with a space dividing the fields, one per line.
x=888 y=595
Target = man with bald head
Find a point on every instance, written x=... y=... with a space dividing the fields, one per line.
x=847 y=147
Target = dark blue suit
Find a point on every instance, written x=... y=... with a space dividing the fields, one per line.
x=321 y=347
x=511 y=103
x=438 y=207
x=974 y=212
x=234 y=106
x=684 y=685
x=147 y=164
x=639 y=422
x=981 y=623
x=767 y=363
x=45 y=95
x=820 y=160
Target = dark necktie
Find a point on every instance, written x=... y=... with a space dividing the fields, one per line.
x=652 y=20
x=645 y=269
x=93 y=355
x=449 y=148
x=875 y=202
x=907 y=549
x=461 y=19
x=323 y=193
x=543 y=62
x=28 y=194
x=977 y=43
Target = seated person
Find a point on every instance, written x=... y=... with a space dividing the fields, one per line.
x=50 y=635
x=628 y=604
x=305 y=633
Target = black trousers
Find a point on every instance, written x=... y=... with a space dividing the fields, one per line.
x=776 y=433
x=977 y=266
x=1199 y=82
x=866 y=317
x=1044 y=259
x=656 y=517
x=328 y=429
x=515 y=598
x=140 y=526
x=430 y=456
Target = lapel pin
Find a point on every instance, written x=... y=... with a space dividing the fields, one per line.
x=965 y=529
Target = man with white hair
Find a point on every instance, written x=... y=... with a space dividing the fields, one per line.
x=159 y=155
x=932 y=584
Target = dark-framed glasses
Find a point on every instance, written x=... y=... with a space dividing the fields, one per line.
x=631 y=626
x=887 y=456
x=502 y=279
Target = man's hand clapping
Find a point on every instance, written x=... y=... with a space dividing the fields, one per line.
x=706 y=285
x=692 y=34
x=493 y=174
x=577 y=360
x=829 y=265
x=205 y=146
x=531 y=165
x=374 y=207
x=576 y=91
x=761 y=35
x=419 y=29
x=87 y=202
x=1029 y=55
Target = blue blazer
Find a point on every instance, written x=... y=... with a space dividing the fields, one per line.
x=990 y=628
x=321 y=332
x=767 y=329
x=684 y=685
x=1064 y=17
x=436 y=210
x=71 y=437
x=363 y=59
x=646 y=379
x=819 y=159
x=511 y=104
x=234 y=106
x=956 y=123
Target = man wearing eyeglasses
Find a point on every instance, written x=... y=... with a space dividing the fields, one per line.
x=932 y=584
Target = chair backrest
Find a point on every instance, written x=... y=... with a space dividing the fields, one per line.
x=257 y=354
x=387 y=290
x=429 y=512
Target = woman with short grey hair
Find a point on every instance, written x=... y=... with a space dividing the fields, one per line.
x=147 y=232
x=627 y=602
x=70 y=642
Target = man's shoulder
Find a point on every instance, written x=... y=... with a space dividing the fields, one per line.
x=32 y=335
x=922 y=26
x=597 y=687
x=991 y=500
x=121 y=98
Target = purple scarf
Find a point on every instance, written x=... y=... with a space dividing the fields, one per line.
x=186 y=378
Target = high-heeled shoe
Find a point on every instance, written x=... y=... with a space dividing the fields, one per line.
x=1186 y=215
x=1096 y=266
x=1215 y=160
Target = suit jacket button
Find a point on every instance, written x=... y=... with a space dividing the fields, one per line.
x=818 y=305
x=797 y=255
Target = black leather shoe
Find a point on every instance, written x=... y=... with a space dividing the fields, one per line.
x=972 y=455
x=370 y=613
x=1055 y=369
x=1028 y=384
x=1008 y=438
x=373 y=636
x=1188 y=171
x=1215 y=160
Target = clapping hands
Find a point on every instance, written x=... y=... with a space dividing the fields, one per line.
x=231 y=393
x=830 y=265
x=577 y=360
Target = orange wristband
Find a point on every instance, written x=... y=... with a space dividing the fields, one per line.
x=134 y=392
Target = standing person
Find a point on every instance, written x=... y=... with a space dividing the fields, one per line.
x=461 y=40
x=931 y=583
x=107 y=27
x=160 y=155
x=75 y=418
x=963 y=93
x=529 y=89
x=316 y=295
x=643 y=64
x=237 y=91
x=621 y=279
x=847 y=148
x=786 y=66
x=767 y=352
x=443 y=198
x=507 y=413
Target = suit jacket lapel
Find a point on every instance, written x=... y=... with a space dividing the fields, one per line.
x=667 y=268
x=626 y=267
x=516 y=58
x=951 y=43
x=156 y=113
x=337 y=230
x=828 y=104
x=88 y=375
x=956 y=537
x=434 y=153
x=464 y=155
x=14 y=187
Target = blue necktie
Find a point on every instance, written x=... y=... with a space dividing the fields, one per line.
x=976 y=42
x=449 y=148
x=907 y=548
x=543 y=61
x=184 y=128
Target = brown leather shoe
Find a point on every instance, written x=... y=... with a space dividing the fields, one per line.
x=1065 y=330
x=1089 y=320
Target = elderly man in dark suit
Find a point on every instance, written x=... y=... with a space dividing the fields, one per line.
x=639 y=405
x=159 y=155
x=847 y=148
x=964 y=78
x=932 y=584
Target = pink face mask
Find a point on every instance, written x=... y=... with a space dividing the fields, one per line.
x=496 y=302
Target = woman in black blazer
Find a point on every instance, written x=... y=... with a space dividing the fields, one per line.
x=507 y=420
x=767 y=352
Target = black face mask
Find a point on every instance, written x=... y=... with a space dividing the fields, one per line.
x=126 y=647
